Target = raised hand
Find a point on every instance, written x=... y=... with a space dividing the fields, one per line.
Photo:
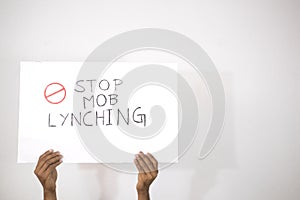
x=47 y=174
x=148 y=169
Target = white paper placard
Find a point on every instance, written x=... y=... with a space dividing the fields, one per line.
x=47 y=121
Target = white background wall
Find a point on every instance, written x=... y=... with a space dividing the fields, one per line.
x=256 y=41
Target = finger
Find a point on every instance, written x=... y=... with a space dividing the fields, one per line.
x=152 y=163
x=153 y=160
x=138 y=166
x=148 y=162
x=143 y=163
x=50 y=159
x=46 y=153
x=52 y=167
x=39 y=164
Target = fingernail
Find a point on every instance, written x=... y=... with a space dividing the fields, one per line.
x=50 y=150
x=136 y=155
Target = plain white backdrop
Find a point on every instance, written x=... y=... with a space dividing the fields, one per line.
x=256 y=41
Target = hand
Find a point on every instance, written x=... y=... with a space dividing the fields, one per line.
x=148 y=169
x=46 y=172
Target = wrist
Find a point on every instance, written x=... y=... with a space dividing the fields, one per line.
x=142 y=189
x=143 y=195
x=49 y=194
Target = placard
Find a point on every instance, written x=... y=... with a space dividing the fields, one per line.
x=50 y=119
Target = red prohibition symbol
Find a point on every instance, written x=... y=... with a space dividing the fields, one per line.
x=55 y=93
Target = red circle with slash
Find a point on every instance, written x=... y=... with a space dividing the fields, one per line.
x=55 y=93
